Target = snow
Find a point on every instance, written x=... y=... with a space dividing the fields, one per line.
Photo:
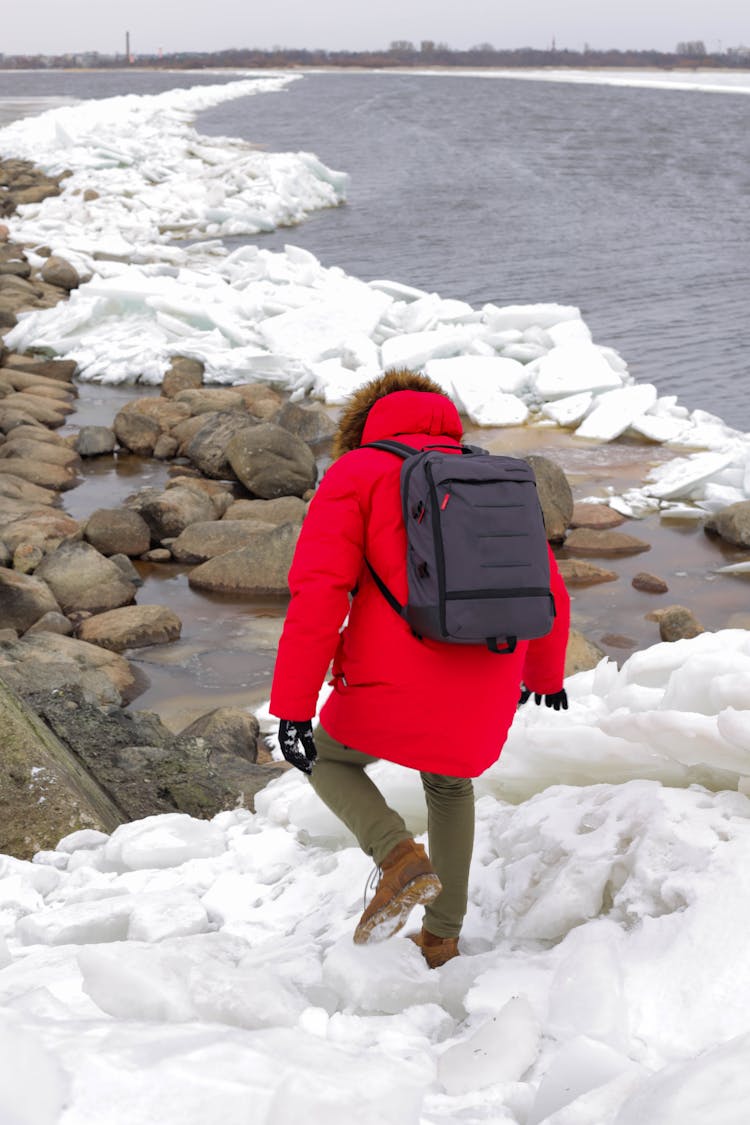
x=184 y=971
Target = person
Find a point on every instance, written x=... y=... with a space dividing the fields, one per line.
x=439 y=708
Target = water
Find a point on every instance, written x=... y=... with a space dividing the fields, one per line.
x=630 y=203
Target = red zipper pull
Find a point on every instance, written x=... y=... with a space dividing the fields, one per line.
x=444 y=504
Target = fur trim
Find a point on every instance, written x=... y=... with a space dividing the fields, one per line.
x=352 y=422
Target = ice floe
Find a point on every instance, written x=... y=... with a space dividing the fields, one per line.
x=193 y=972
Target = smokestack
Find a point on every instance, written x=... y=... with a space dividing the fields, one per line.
x=127 y=46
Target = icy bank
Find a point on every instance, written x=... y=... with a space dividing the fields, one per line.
x=196 y=973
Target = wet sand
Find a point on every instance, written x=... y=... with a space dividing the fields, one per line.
x=226 y=652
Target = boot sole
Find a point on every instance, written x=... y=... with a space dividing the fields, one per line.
x=387 y=921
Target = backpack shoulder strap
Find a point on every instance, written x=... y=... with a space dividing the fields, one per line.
x=388 y=446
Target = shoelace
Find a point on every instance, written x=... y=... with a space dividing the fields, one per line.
x=372 y=884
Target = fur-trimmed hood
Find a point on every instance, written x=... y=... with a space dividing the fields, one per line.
x=439 y=417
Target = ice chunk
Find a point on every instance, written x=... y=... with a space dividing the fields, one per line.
x=568 y=411
x=82 y=923
x=398 y=290
x=713 y=1086
x=734 y=568
x=586 y=995
x=521 y=317
x=659 y=428
x=571 y=368
x=85 y=838
x=320 y=327
x=167 y=840
x=33 y=1085
x=163 y=915
x=470 y=376
x=383 y=977
x=681 y=478
x=579 y=1066
x=614 y=411
x=501 y=1049
x=135 y=982
x=5 y=957
x=569 y=331
x=414 y=349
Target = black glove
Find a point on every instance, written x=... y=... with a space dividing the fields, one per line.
x=297 y=744
x=558 y=699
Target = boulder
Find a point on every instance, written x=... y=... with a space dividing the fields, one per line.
x=732 y=524
x=259 y=399
x=184 y=432
x=82 y=578
x=207 y=449
x=208 y=400
x=135 y=626
x=127 y=568
x=649 y=583
x=271 y=462
x=118 y=531
x=599 y=516
x=555 y=496
x=49 y=662
x=61 y=370
x=137 y=432
x=576 y=572
x=23 y=600
x=29 y=495
x=310 y=423
x=47 y=411
x=93 y=441
x=52 y=622
x=581 y=654
x=227 y=731
x=157 y=555
x=258 y=569
x=219 y=493
x=45 y=793
x=56 y=271
x=676 y=623
x=171 y=511
x=287 y=509
x=58 y=478
x=589 y=541
x=27 y=557
x=202 y=541
x=183 y=374
x=15 y=266
x=35 y=382
x=166 y=447
x=18 y=445
x=47 y=529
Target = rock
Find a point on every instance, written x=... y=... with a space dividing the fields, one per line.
x=287 y=509
x=157 y=555
x=56 y=271
x=127 y=568
x=259 y=399
x=207 y=449
x=52 y=622
x=32 y=495
x=576 y=572
x=271 y=462
x=23 y=600
x=732 y=524
x=310 y=423
x=137 y=432
x=18 y=445
x=59 y=478
x=582 y=654
x=589 y=541
x=49 y=411
x=166 y=447
x=35 y=194
x=183 y=374
x=118 y=531
x=27 y=557
x=49 y=662
x=227 y=731
x=202 y=541
x=21 y=292
x=649 y=583
x=600 y=516
x=209 y=400
x=82 y=578
x=61 y=370
x=12 y=417
x=555 y=496
x=171 y=511
x=47 y=529
x=93 y=441
x=163 y=411
x=45 y=793
x=618 y=640
x=135 y=626
x=219 y=493
x=676 y=623
x=184 y=432
x=16 y=267
x=258 y=569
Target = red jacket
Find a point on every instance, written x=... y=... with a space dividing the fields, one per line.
x=432 y=706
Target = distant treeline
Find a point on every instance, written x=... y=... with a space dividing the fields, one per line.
x=400 y=53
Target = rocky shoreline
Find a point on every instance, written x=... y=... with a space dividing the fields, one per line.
x=243 y=463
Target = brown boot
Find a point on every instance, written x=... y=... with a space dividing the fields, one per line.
x=435 y=950
x=408 y=880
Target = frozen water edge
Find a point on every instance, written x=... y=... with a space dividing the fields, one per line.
x=201 y=972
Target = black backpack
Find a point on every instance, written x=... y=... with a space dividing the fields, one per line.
x=477 y=559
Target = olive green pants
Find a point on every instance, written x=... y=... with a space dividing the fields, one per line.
x=340 y=781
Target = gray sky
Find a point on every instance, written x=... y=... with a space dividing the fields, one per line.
x=58 y=26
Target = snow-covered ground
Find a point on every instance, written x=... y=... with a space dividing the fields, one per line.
x=184 y=972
